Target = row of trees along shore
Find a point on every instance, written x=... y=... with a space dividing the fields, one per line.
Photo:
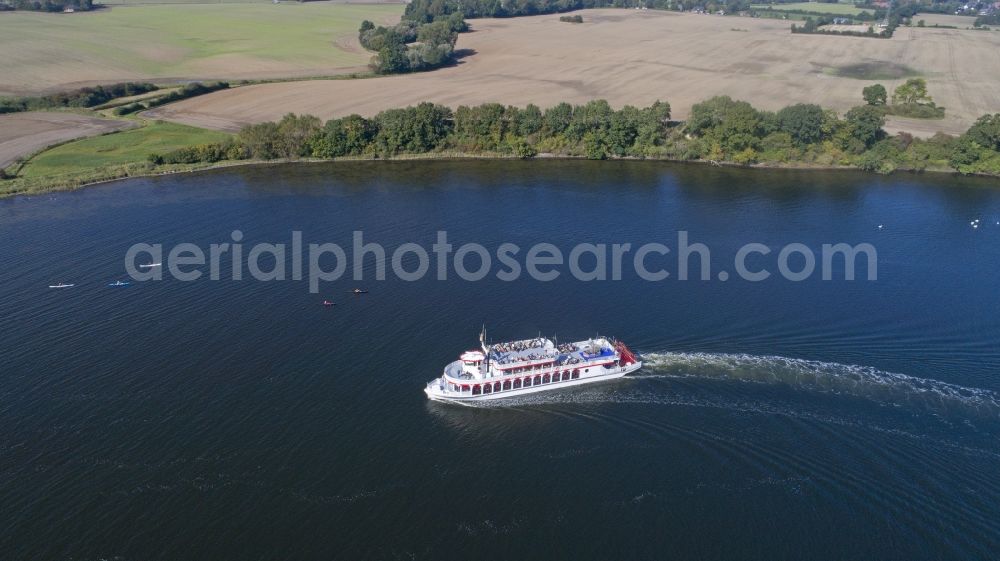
x=720 y=130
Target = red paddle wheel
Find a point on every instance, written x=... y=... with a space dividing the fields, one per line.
x=627 y=357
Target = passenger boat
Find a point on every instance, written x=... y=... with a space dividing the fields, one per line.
x=515 y=368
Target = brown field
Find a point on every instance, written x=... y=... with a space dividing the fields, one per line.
x=636 y=57
x=22 y=134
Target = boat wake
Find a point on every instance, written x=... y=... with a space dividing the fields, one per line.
x=826 y=377
x=864 y=382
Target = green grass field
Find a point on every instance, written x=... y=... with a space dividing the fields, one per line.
x=84 y=157
x=44 y=52
x=822 y=7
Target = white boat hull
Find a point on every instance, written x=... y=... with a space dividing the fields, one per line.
x=436 y=391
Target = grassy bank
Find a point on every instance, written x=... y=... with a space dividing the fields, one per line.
x=89 y=155
x=103 y=158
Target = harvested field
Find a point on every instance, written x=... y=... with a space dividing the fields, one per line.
x=22 y=134
x=173 y=43
x=636 y=57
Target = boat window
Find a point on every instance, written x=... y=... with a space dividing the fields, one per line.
x=527 y=382
x=576 y=374
x=566 y=375
x=506 y=385
x=496 y=387
x=545 y=379
x=465 y=387
x=476 y=390
x=538 y=380
x=517 y=383
x=487 y=388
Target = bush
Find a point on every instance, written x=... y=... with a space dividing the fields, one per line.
x=188 y=91
x=916 y=110
x=129 y=108
x=571 y=19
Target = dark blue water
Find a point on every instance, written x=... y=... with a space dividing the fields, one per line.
x=243 y=420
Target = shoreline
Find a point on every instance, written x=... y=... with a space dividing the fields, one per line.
x=136 y=171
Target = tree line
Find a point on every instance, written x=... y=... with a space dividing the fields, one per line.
x=720 y=130
x=184 y=92
x=47 y=5
x=815 y=26
x=430 y=10
x=83 y=97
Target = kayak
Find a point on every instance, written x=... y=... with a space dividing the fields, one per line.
x=149 y=265
x=359 y=291
x=61 y=285
x=328 y=303
x=119 y=283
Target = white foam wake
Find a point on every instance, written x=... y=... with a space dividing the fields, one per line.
x=831 y=377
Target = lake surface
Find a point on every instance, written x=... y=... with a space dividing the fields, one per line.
x=244 y=420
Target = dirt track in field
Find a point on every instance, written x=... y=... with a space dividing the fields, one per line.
x=22 y=134
x=636 y=57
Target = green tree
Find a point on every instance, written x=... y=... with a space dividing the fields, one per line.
x=865 y=123
x=804 y=122
x=980 y=143
x=437 y=33
x=412 y=129
x=294 y=134
x=733 y=125
x=558 y=117
x=986 y=132
x=348 y=136
x=592 y=116
x=913 y=91
x=529 y=120
x=482 y=127
x=260 y=140
x=875 y=94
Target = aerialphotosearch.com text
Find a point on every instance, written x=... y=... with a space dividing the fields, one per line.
x=363 y=259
